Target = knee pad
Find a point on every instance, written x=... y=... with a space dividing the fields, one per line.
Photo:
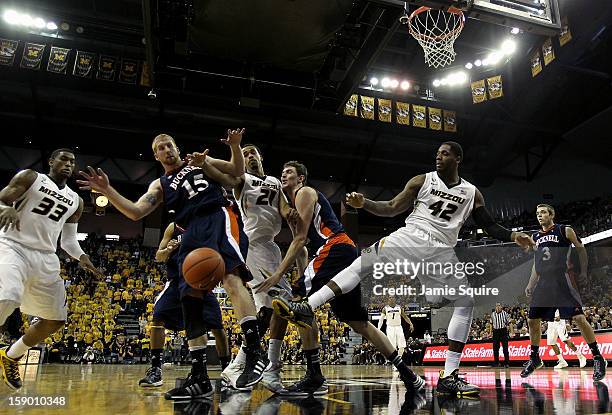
x=195 y=325
x=6 y=309
x=263 y=320
x=459 y=325
x=350 y=277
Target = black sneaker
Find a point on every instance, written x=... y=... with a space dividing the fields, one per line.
x=531 y=366
x=153 y=378
x=599 y=367
x=10 y=370
x=308 y=386
x=194 y=387
x=256 y=363
x=298 y=312
x=413 y=402
x=454 y=385
x=415 y=385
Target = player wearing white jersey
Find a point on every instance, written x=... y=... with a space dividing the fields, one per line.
x=263 y=206
x=442 y=202
x=557 y=329
x=34 y=209
x=393 y=314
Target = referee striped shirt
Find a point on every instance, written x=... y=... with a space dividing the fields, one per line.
x=500 y=320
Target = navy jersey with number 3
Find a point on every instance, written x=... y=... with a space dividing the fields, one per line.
x=552 y=250
x=189 y=192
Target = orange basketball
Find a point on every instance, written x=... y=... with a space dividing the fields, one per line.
x=203 y=269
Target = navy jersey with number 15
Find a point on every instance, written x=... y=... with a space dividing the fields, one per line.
x=189 y=192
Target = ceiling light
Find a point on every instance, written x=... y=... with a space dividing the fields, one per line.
x=79 y=30
x=494 y=57
x=469 y=65
x=51 y=26
x=385 y=82
x=25 y=20
x=508 y=47
x=394 y=83
x=515 y=31
x=374 y=81
x=478 y=62
x=405 y=85
x=11 y=17
x=437 y=83
x=39 y=23
x=65 y=26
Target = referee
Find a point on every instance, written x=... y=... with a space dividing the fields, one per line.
x=499 y=320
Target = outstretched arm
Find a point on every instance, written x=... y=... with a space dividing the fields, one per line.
x=234 y=167
x=167 y=244
x=70 y=243
x=389 y=208
x=16 y=188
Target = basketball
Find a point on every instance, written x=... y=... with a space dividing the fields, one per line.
x=203 y=269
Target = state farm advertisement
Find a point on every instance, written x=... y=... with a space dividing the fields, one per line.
x=520 y=350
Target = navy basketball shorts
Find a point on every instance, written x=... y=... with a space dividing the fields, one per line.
x=337 y=254
x=222 y=231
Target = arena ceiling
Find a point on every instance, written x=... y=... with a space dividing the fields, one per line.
x=283 y=69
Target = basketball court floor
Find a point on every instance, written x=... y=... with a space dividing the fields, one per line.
x=355 y=390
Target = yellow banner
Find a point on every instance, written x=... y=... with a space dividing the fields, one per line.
x=367 y=108
x=479 y=92
x=419 y=119
x=548 y=52
x=402 y=113
x=450 y=121
x=496 y=87
x=384 y=110
x=350 y=108
x=566 y=35
x=435 y=118
x=536 y=64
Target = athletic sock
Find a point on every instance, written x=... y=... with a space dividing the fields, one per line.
x=313 y=364
x=452 y=362
x=225 y=360
x=250 y=332
x=274 y=348
x=535 y=352
x=402 y=368
x=593 y=346
x=198 y=360
x=156 y=357
x=17 y=349
x=320 y=297
x=240 y=358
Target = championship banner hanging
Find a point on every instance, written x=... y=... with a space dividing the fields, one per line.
x=350 y=108
x=536 y=64
x=419 y=119
x=367 y=108
x=145 y=80
x=450 y=121
x=32 y=56
x=129 y=71
x=106 y=68
x=402 y=114
x=58 y=60
x=8 y=49
x=496 y=87
x=435 y=118
x=566 y=34
x=479 y=92
x=384 y=110
x=83 y=64
x=548 y=52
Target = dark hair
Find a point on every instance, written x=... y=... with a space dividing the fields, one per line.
x=551 y=210
x=300 y=169
x=455 y=148
x=254 y=146
x=55 y=153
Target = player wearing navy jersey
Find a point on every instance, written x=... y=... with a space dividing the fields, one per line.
x=552 y=286
x=441 y=201
x=201 y=208
x=34 y=210
x=318 y=223
x=168 y=311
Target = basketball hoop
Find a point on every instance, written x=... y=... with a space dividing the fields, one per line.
x=436 y=32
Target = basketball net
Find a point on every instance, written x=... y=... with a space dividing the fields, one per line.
x=436 y=32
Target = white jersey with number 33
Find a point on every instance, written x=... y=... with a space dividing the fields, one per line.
x=441 y=211
x=259 y=207
x=42 y=210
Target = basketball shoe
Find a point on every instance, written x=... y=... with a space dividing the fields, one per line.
x=256 y=363
x=581 y=359
x=561 y=365
x=309 y=385
x=153 y=378
x=599 y=367
x=194 y=387
x=456 y=386
x=10 y=370
x=298 y=312
x=272 y=377
x=532 y=364
x=230 y=375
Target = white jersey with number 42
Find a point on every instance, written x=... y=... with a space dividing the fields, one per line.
x=259 y=206
x=42 y=210
x=441 y=210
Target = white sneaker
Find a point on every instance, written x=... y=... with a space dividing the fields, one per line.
x=272 y=377
x=582 y=360
x=231 y=373
x=562 y=364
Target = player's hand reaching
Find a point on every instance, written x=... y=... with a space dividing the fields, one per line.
x=355 y=200
x=85 y=263
x=9 y=219
x=524 y=241
x=95 y=180
x=268 y=283
x=291 y=216
x=234 y=137
x=197 y=159
x=528 y=291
